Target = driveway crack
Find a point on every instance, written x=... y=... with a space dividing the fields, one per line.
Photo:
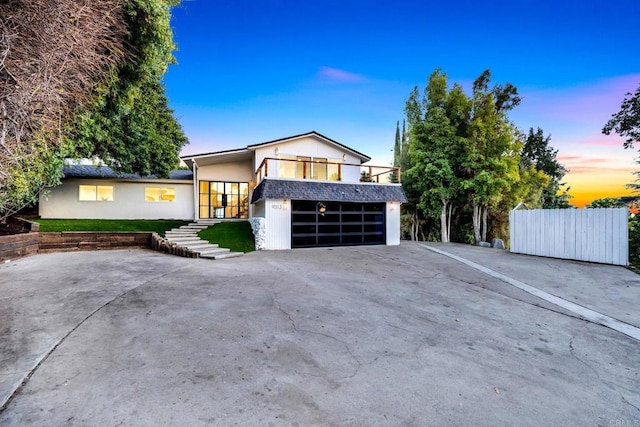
x=344 y=343
x=572 y=351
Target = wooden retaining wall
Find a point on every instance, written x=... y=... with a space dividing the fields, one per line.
x=22 y=245
x=19 y=245
x=92 y=241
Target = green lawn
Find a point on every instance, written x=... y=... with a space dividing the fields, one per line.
x=159 y=226
x=236 y=236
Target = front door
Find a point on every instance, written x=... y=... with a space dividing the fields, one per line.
x=222 y=200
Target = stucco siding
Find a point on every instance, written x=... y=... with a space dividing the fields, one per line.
x=229 y=172
x=128 y=201
x=278 y=224
x=393 y=223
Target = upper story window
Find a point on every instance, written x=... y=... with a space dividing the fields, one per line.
x=159 y=194
x=96 y=193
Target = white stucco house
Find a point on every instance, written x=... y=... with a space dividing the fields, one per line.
x=306 y=189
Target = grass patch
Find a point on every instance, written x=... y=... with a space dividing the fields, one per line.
x=125 y=225
x=236 y=236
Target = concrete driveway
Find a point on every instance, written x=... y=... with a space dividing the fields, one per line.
x=342 y=336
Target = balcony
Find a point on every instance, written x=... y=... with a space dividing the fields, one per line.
x=324 y=170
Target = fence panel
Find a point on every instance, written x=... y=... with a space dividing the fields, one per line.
x=594 y=235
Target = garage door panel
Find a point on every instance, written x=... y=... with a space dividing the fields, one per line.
x=336 y=224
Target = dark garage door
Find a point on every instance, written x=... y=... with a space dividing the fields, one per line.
x=336 y=224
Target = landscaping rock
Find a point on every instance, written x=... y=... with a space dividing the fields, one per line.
x=497 y=244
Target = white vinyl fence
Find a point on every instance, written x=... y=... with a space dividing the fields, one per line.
x=594 y=235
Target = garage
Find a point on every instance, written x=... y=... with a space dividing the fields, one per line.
x=327 y=223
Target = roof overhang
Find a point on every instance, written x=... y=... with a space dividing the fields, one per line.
x=228 y=156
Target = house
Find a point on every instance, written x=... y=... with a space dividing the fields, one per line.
x=300 y=191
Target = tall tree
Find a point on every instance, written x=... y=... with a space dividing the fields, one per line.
x=538 y=153
x=492 y=162
x=397 y=147
x=626 y=123
x=130 y=125
x=434 y=152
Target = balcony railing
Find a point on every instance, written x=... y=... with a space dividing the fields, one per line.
x=322 y=170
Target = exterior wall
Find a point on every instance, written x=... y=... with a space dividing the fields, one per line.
x=595 y=235
x=128 y=201
x=258 y=209
x=309 y=147
x=278 y=223
x=393 y=223
x=229 y=172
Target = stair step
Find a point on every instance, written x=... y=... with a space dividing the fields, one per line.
x=210 y=252
x=179 y=233
x=185 y=242
x=223 y=256
x=201 y=246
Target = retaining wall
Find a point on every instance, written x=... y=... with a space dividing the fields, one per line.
x=22 y=245
x=19 y=245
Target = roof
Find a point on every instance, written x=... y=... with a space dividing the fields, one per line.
x=362 y=156
x=104 y=172
x=241 y=152
x=328 y=191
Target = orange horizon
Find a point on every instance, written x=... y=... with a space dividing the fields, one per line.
x=587 y=187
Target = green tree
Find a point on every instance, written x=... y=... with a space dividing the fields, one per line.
x=538 y=153
x=626 y=123
x=130 y=125
x=434 y=151
x=493 y=150
x=606 y=202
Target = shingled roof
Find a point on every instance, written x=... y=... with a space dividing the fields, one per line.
x=105 y=172
x=328 y=191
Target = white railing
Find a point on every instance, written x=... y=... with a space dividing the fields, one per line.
x=325 y=171
x=594 y=235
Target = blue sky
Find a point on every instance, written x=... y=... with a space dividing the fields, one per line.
x=253 y=71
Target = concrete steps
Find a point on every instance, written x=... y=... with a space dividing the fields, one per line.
x=187 y=237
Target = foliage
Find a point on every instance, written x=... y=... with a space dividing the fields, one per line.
x=493 y=150
x=467 y=160
x=634 y=243
x=51 y=55
x=607 y=202
x=236 y=236
x=434 y=150
x=538 y=153
x=82 y=78
x=130 y=125
x=626 y=122
x=57 y=225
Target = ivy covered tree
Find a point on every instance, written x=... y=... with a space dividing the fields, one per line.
x=82 y=79
x=130 y=125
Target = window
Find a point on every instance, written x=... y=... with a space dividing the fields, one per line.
x=159 y=194
x=96 y=193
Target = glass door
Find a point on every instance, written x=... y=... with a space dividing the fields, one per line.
x=222 y=200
